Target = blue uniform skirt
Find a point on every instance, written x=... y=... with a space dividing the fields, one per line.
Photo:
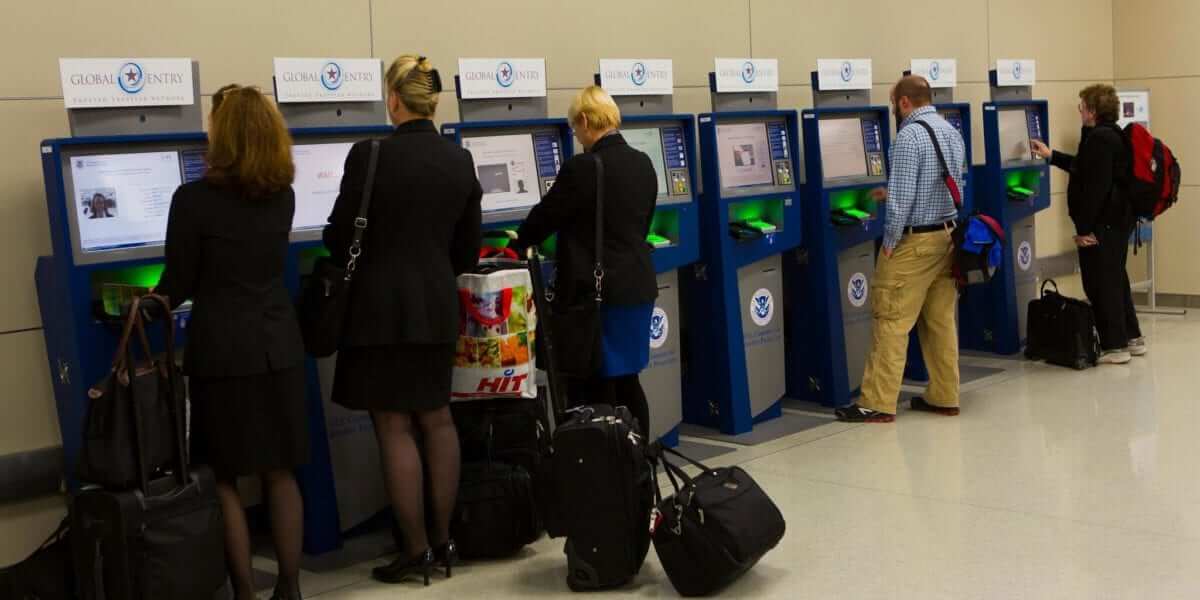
x=625 y=339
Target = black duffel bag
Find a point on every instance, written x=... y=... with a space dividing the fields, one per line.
x=714 y=528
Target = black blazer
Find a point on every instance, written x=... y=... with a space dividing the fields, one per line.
x=569 y=209
x=423 y=230
x=1094 y=196
x=227 y=253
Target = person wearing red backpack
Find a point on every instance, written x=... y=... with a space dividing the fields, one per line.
x=1103 y=219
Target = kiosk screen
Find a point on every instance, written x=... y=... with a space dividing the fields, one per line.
x=744 y=155
x=649 y=141
x=507 y=167
x=843 y=153
x=318 y=180
x=122 y=200
x=1014 y=136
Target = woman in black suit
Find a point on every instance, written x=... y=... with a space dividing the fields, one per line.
x=397 y=356
x=227 y=241
x=629 y=283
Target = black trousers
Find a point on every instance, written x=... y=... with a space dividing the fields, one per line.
x=1106 y=283
x=616 y=391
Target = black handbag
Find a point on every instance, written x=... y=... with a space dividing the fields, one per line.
x=1061 y=330
x=324 y=297
x=714 y=528
x=133 y=408
x=579 y=319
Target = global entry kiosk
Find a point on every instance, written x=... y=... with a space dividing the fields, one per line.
x=764 y=236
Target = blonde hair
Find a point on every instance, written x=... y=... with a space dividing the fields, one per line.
x=249 y=146
x=411 y=78
x=596 y=108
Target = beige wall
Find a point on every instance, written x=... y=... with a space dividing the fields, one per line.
x=1156 y=50
x=234 y=40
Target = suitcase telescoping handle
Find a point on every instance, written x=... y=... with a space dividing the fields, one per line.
x=545 y=337
x=136 y=324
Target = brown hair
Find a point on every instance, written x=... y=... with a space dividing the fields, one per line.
x=248 y=143
x=412 y=79
x=915 y=88
x=1102 y=99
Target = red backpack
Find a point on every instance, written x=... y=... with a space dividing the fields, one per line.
x=1153 y=184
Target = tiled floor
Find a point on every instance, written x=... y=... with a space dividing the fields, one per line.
x=1052 y=484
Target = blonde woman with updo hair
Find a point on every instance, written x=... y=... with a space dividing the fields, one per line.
x=397 y=353
x=630 y=285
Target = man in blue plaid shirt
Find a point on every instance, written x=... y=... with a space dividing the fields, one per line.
x=913 y=282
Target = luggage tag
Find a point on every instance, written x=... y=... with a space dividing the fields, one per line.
x=656 y=519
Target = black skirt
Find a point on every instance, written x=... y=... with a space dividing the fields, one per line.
x=398 y=378
x=250 y=424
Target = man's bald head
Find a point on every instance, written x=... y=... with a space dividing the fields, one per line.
x=915 y=88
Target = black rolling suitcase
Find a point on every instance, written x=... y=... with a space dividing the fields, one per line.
x=605 y=493
x=1061 y=330
x=603 y=490
x=161 y=540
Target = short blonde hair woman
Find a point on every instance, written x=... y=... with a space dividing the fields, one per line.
x=630 y=288
x=397 y=353
x=226 y=250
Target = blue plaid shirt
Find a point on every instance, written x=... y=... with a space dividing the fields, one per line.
x=916 y=193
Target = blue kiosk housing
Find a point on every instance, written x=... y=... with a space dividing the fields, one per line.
x=1012 y=186
x=749 y=216
x=135 y=158
x=846 y=142
x=649 y=123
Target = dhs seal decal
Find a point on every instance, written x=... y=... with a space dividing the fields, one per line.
x=857 y=290
x=331 y=76
x=1025 y=256
x=762 y=307
x=505 y=74
x=935 y=70
x=131 y=78
x=660 y=328
x=1016 y=69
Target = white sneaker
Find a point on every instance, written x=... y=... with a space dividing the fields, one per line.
x=1114 y=357
x=1137 y=347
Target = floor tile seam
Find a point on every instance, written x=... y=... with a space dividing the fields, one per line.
x=340 y=588
x=849 y=427
x=1004 y=509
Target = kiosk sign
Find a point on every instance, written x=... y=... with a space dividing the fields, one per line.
x=637 y=77
x=747 y=75
x=125 y=82
x=844 y=74
x=328 y=80
x=1016 y=72
x=501 y=78
x=939 y=72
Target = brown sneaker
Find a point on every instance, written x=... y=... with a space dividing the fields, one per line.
x=919 y=403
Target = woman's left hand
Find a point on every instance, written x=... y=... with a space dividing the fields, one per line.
x=1085 y=241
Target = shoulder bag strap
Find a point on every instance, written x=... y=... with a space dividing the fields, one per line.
x=360 y=222
x=598 y=271
x=951 y=182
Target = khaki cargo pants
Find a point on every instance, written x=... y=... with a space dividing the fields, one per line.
x=913 y=286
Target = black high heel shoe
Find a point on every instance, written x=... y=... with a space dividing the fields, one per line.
x=447 y=556
x=401 y=568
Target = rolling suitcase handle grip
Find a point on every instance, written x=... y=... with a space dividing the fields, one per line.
x=1049 y=282
x=546 y=336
